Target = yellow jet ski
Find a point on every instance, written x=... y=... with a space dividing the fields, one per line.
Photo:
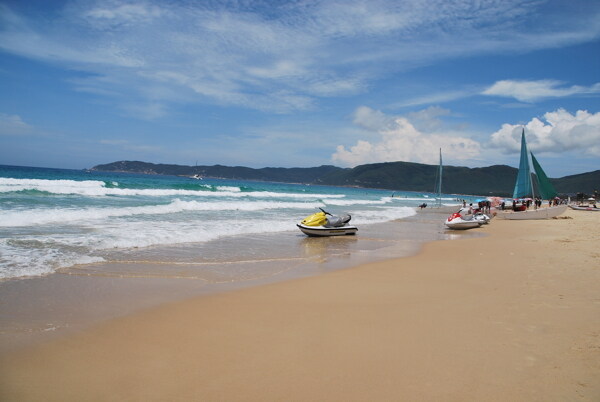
x=324 y=224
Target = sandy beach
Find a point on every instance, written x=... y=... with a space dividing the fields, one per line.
x=514 y=315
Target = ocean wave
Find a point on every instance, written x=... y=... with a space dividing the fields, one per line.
x=382 y=201
x=96 y=188
x=380 y=215
x=18 y=261
x=44 y=252
x=56 y=215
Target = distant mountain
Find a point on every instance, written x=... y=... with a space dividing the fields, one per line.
x=585 y=183
x=419 y=177
x=402 y=176
x=285 y=175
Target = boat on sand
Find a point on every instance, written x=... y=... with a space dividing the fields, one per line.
x=584 y=207
x=457 y=222
x=531 y=214
x=524 y=188
x=324 y=224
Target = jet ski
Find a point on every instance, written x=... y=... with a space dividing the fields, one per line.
x=324 y=224
x=457 y=222
x=483 y=218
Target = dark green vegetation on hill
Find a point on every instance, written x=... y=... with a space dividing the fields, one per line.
x=401 y=176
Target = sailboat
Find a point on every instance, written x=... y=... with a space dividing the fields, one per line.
x=438 y=183
x=524 y=188
x=438 y=191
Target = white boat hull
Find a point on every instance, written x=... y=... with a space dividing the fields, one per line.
x=456 y=222
x=463 y=225
x=325 y=231
x=579 y=208
x=532 y=214
x=483 y=218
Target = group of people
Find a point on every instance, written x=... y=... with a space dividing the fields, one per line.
x=537 y=203
x=482 y=206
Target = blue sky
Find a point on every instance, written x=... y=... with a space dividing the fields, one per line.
x=300 y=83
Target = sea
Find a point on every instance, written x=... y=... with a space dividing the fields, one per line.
x=78 y=247
x=53 y=219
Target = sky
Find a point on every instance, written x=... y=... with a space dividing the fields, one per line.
x=300 y=83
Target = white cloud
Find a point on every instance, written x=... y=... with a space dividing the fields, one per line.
x=427 y=119
x=530 y=91
x=146 y=111
x=114 y=13
x=399 y=140
x=13 y=125
x=372 y=120
x=439 y=97
x=558 y=131
x=275 y=56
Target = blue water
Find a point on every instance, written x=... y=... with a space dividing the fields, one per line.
x=53 y=218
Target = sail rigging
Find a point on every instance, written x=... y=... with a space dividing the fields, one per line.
x=438 y=182
x=524 y=183
x=545 y=188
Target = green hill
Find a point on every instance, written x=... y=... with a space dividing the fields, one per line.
x=585 y=182
x=402 y=176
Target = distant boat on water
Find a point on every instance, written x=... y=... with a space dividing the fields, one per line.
x=524 y=188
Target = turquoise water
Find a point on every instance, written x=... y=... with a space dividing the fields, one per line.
x=53 y=218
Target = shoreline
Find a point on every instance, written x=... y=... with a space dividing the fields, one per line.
x=509 y=316
x=38 y=309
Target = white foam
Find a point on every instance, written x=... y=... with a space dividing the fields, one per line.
x=381 y=201
x=44 y=216
x=44 y=253
x=137 y=234
x=18 y=262
x=77 y=230
x=228 y=188
x=96 y=188
x=382 y=215
x=51 y=186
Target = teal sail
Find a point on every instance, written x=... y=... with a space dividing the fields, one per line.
x=545 y=188
x=523 y=186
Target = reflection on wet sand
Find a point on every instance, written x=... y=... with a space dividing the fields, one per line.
x=130 y=280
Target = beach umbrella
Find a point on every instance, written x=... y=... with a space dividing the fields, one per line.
x=495 y=201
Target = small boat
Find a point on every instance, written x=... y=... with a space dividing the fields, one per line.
x=457 y=222
x=524 y=188
x=437 y=206
x=315 y=231
x=324 y=224
x=584 y=207
x=483 y=218
x=532 y=214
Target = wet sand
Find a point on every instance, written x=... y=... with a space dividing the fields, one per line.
x=509 y=316
x=37 y=309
